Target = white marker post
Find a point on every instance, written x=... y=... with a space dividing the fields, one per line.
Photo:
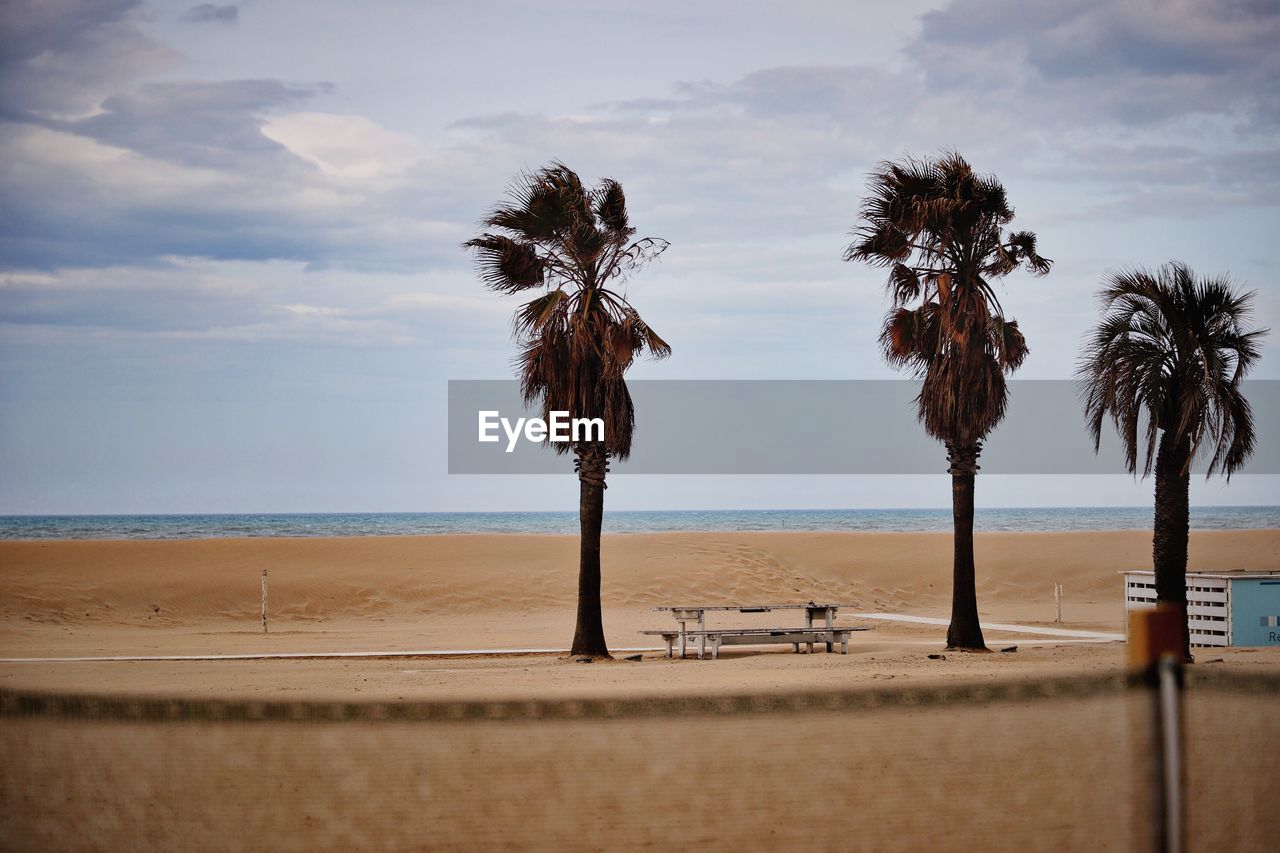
x=264 y=601
x=1057 y=602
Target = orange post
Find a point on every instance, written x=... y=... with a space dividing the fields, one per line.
x=1153 y=633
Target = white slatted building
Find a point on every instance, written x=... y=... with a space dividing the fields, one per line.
x=1223 y=608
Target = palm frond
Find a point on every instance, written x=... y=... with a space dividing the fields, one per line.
x=1009 y=345
x=578 y=338
x=937 y=225
x=1168 y=357
x=506 y=265
x=535 y=314
x=1022 y=248
x=610 y=204
x=904 y=284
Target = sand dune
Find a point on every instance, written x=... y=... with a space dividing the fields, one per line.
x=216 y=581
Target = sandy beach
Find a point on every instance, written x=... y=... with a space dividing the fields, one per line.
x=596 y=756
x=462 y=592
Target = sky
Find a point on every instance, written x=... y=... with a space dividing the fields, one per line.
x=231 y=277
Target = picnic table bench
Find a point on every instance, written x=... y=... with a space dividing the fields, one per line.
x=828 y=633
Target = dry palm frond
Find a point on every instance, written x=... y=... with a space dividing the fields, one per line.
x=939 y=228
x=578 y=337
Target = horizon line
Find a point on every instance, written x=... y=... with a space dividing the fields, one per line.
x=1193 y=509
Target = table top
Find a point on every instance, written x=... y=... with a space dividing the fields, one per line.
x=801 y=629
x=758 y=608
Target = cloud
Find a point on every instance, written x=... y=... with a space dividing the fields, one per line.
x=61 y=57
x=433 y=302
x=73 y=201
x=222 y=169
x=257 y=171
x=1167 y=180
x=173 y=297
x=345 y=146
x=188 y=299
x=195 y=169
x=756 y=179
x=1134 y=62
x=212 y=13
x=204 y=124
x=313 y=310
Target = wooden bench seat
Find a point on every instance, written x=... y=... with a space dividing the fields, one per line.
x=760 y=636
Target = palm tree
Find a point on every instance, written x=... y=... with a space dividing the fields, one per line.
x=938 y=228
x=1165 y=364
x=578 y=335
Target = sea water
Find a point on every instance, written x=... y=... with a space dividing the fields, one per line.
x=622 y=521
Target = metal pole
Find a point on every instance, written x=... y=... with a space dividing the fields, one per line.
x=1155 y=654
x=1171 y=747
x=1057 y=602
x=264 y=601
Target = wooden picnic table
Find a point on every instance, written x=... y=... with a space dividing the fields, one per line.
x=696 y=613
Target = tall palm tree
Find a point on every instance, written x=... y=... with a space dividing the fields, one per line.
x=1165 y=364
x=939 y=229
x=572 y=246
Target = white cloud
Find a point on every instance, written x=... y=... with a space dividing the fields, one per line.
x=345 y=146
x=313 y=310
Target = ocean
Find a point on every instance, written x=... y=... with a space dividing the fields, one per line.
x=657 y=521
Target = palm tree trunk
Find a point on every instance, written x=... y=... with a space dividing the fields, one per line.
x=592 y=465
x=964 y=632
x=1172 y=523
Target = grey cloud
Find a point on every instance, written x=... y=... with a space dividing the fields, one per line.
x=652 y=105
x=196 y=123
x=718 y=175
x=1027 y=88
x=1124 y=166
x=71 y=210
x=212 y=13
x=1080 y=38
x=1254 y=170
x=849 y=95
x=198 y=299
x=495 y=121
x=97 y=171
x=1246 y=170
x=56 y=221
x=107 y=237
x=63 y=56
x=232 y=193
x=779 y=154
x=1165 y=181
x=1132 y=62
x=78 y=209
x=123 y=299
x=846 y=96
